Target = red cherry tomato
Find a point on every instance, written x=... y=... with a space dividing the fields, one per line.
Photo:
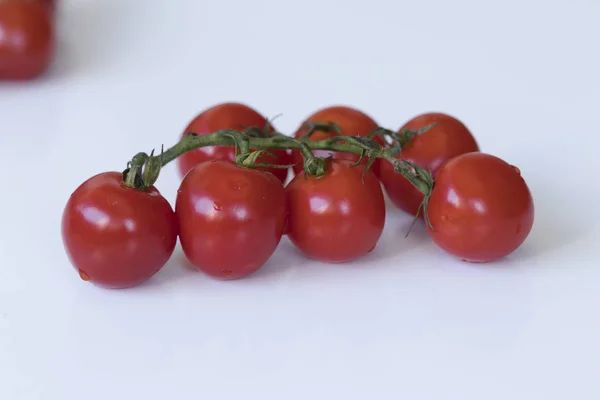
x=480 y=209
x=48 y=5
x=27 y=39
x=352 y=122
x=229 y=116
x=448 y=139
x=337 y=217
x=115 y=236
x=231 y=218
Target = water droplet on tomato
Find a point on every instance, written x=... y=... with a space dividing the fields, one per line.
x=227 y=272
x=444 y=218
x=217 y=206
x=84 y=276
x=517 y=170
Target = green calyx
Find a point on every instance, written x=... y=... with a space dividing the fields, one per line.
x=142 y=171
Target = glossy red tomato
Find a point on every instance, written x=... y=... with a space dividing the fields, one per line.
x=228 y=116
x=337 y=217
x=231 y=218
x=481 y=208
x=352 y=122
x=448 y=139
x=27 y=39
x=115 y=236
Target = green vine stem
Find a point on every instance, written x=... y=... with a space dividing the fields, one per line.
x=312 y=165
x=143 y=170
x=227 y=137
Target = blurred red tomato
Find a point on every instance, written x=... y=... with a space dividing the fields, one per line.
x=27 y=38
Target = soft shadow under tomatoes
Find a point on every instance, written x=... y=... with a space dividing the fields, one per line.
x=352 y=122
x=429 y=150
x=337 y=217
x=231 y=218
x=115 y=236
x=234 y=116
x=481 y=209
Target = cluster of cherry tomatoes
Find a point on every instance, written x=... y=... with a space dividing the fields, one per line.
x=230 y=218
x=27 y=38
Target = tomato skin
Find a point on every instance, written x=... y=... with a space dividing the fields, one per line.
x=27 y=42
x=481 y=208
x=429 y=150
x=231 y=218
x=337 y=217
x=48 y=5
x=228 y=116
x=352 y=122
x=115 y=236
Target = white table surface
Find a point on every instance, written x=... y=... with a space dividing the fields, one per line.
x=406 y=322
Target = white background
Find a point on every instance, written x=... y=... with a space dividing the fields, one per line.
x=407 y=321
